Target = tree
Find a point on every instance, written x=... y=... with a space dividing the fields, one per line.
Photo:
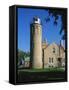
x=22 y=54
x=55 y=12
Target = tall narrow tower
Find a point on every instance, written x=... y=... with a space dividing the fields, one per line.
x=36 y=43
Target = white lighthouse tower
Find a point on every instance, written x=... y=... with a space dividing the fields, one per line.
x=36 y=43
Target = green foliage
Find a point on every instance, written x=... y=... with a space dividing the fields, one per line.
x=23 y=55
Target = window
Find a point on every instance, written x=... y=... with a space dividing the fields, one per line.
x=52 y=60
x=49 y=66
x=53 y=50
x=36 y=19
x=49 y=60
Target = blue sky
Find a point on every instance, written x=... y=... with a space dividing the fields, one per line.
x=49 y=30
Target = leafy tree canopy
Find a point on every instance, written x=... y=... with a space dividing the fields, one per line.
x=23 y=55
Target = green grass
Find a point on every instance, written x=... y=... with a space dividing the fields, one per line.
x=43 y=70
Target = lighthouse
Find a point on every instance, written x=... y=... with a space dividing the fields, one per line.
x=36 y=43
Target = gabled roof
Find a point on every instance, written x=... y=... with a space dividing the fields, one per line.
x=56 y=44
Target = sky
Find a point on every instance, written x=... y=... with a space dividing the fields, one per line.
x=50 y=32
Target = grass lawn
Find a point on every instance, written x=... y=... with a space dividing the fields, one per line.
x=43 y=70
x=41 y=74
